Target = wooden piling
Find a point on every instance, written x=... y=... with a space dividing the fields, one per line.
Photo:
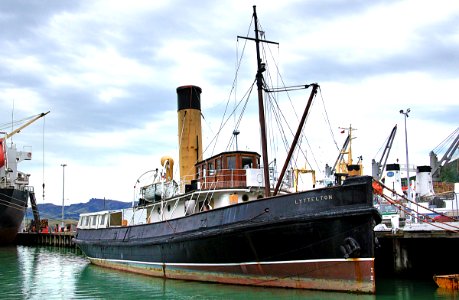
x=55 y=239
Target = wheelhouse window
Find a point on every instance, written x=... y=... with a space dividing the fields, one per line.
x=211 y=169
x=247 y=162
x=204 y=173
x=231 y=162
x=218 y=164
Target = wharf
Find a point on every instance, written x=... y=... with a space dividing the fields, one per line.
x=418 y=250
x=56 y=239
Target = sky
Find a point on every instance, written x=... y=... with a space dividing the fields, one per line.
x=108 y=71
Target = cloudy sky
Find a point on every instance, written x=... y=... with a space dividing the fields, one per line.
x=108 y=72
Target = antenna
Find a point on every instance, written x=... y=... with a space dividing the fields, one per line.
x=12 y=122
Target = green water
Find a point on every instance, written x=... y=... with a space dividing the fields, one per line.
x=56 y=273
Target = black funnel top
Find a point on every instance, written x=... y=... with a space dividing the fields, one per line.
x=189 y=96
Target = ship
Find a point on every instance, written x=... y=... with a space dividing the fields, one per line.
x=224 y=222
x=14 y=186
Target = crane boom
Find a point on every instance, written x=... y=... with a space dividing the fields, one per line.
x=378 y=167
x=25 y=125
x=437 y=165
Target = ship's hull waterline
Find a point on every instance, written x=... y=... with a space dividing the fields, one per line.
x=354 y=274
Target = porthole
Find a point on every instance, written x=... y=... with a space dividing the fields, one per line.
x=245 y=198
x=168 y=207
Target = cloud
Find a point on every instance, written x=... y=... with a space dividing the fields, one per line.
x=108 y=72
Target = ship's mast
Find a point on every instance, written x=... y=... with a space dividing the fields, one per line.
x=261 y=109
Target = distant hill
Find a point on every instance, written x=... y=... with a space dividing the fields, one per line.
x=73 y=211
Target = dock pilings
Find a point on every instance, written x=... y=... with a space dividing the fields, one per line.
x=55 y=239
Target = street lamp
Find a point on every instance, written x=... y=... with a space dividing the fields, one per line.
x=406 y=147
x=405 y=113
x=63 y=189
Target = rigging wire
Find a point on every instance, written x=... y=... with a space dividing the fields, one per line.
x=224 y=122
x=298 y=87
x=407 y=210
x=293 y=88
x=17 y=122
x=43 y=159
x=286 y=144
x=230 y=143
x=446 y=142
x=328 y=120
x=235 y=79
x=269 y=108
x=382 y=146
x=233 y=89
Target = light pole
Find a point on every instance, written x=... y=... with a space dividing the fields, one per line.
x=405 y=113
x=63 y=190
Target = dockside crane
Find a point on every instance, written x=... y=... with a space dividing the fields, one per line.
x=377 y=168
x=342 y=168
x=436 y=164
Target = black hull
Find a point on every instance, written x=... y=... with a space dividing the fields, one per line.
x=301 y=227
x=13 y=205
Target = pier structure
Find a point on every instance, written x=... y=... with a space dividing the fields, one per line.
x=55 y=239
x=419 y=250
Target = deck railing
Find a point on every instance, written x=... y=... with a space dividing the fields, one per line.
x=217 y=179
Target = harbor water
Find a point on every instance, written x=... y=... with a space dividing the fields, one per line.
x=62 y=273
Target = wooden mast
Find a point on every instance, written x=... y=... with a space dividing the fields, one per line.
x=261 y=109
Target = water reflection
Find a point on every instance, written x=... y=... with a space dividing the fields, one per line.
x=48 y=272
x=9 y=272
x=111 y=283
x=56 y=273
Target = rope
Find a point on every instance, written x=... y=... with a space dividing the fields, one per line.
x=404 y=209
x=446 y=142
x=233 y=88
x=16 y=123
x=230 y=143
x=43 y=159
x=8 y=203
x=328 y=120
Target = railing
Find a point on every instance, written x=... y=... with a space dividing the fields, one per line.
x=223 y=178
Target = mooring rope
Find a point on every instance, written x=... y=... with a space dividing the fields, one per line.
x=379 y=191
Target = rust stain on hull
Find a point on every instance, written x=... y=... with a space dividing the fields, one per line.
x=352 y=275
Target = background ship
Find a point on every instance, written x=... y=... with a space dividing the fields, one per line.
x=14 y=186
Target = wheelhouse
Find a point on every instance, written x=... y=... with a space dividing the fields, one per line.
x=229 y=170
